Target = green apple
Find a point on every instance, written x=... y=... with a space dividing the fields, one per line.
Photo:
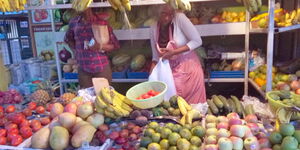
x=211 y=131
x=251 y=143
x=211 y=119
x=237 y=142
x=289 y=143
x=287 y=129
x=275 y=138
x=211 y=125
x=211 y=140
x=223 y=133
x=297 y=135
x=225 y=144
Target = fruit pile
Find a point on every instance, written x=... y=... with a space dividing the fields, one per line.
x=172 y=136
x=47 y=55
x=141 y=117
x=231 y=133
x=124 y=135
x=227 y=16
x=70 y=66
x=286 y=138
x=10 y=97
x=71 y=126
x=149 y=94
x=120 y=62
x=235 y=65
x=15 y=126
x=219 y=105
x=113 y=104
x=281 y=81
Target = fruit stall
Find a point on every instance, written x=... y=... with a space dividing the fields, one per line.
x=50 y=112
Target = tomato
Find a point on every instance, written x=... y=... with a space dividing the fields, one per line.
x=10 y=126
x=10 y=109
x=18 y=118
x=16 y=140
x=1 y=114
x=139 y=98
x=145 y=96
x=25 y=123
x=2 y=140
x=3 y=121
x=11 y=136
x=32 y=105
x=45 y=121
x=1 y=109
x=48 y=107
x=13 y=130
x=2 y=132
x=156 y=93
x=26 y=132
x=35 y=123
x=36 y=128
x=151 y=92
x=27 y=112
x=40 y=109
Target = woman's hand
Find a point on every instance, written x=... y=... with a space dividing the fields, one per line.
x=167 y=53
x=95 y=47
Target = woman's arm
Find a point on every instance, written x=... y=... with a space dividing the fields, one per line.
x=69 y=36
x=113 y=42
x=155 y=55
x=190 y=32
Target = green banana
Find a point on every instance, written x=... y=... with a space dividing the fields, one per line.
x=225 y=103
x=217 y=101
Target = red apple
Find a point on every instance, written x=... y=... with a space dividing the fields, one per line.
x=251 y=119
x=264 y=143
x=233 y=115
x=223 y=125
x=238 y=130
x=211 y=140
x=223 y=133
x=235 y=121
x=124 y=133
x=237 y=142
x=261 y=135
x=114 y=135
x=254 y=128
x=211 y=147
x=121 y=140
x=222 y=119
x=71 y=108
x=248 y=132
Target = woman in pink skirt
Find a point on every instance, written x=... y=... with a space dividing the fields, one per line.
x=174 y=37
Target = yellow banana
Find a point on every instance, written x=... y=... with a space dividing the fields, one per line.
x=181 y=107
x=186 y=105
x=99 y=102
x=123 y=111
x=123 y=98
x=127 y=6
x=183 y=120
x=99 y=110
x=189 y=117
x=113 y=5
x=126 y=107
x=106 y=95
x=109 y=114
x=118 y=111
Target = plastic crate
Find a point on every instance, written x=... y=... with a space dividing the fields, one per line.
x=71 y=75
x=120 y=75
x=137 y=75
x=227 y=74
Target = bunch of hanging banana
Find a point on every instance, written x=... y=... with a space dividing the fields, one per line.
x=187 y=111
x=253 y=6
x=179 y=4
x=120 y=5
x=113 y=104
x=81 y=5
x=12 y=5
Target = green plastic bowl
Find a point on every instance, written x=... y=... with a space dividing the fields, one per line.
x=143 y=88
x=274 y=104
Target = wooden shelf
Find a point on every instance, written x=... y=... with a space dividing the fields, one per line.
x=106 y=4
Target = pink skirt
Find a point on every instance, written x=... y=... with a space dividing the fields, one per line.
x=189 y=78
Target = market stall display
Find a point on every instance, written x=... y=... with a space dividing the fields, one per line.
x=12 y=5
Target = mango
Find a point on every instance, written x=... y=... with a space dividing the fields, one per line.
x=56 y=109
x=85 y=110
x=67 y=120
x=59 y=138
x=40 y=139
x=78 y=125
x=84 y=133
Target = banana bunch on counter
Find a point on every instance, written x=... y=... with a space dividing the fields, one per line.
x=112 y=104
x=12 y=5
x=81 y=5
x=252 y=6
x=120 y=4
x=187 y=111
x=180 y=4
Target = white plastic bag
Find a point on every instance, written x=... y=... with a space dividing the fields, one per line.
x=162 y=72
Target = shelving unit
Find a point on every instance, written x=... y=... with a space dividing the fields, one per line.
x=271 y=31
x=143 y=34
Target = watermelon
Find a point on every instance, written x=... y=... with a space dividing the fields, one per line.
x=121 y=60
x=138 y=62
x=64 y=28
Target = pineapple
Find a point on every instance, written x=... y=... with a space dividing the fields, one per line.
x=41 y=97
x=66 y=98
x=44 y=93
